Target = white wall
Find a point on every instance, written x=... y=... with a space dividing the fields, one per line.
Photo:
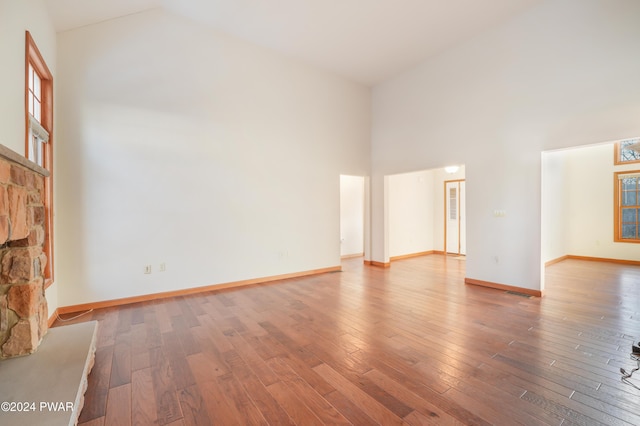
x=555 y=205
x=351 y=215
x=17 y=17
x=411 y=211
x=184 y=146
x=584 y=199
x=564 y=73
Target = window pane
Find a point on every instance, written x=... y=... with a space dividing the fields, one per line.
x=30 y=77
x=629 y=231
x=629 y=215
x=38 y=157
x=36 y=109
x=453 y=204
x=31 y=154
x=30 y=104
x=629 y=198
x=629 y=183
x=628 y=154
x=36 y=150
x=36 y=86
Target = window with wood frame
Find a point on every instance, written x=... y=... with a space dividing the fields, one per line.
x=39 y=134
x=627 y=151
x=627 y=206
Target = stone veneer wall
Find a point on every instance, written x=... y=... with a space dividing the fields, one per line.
x=23 y=307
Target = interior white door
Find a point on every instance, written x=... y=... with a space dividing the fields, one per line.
x=462 y=218
x=451 y=219
x=455 y=228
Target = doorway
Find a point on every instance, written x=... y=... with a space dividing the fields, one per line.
x=455 y=235
x=352 y=203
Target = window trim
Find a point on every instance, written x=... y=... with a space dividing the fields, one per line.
x=617 y=230
x=616 y=154
x=34 y=58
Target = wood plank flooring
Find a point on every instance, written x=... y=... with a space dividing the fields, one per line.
x=411 y=344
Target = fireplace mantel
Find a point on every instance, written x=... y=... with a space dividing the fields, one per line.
x=13 y=157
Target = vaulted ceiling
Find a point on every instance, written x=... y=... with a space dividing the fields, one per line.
x=364 y=40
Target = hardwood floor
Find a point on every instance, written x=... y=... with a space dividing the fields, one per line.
x=411 y=344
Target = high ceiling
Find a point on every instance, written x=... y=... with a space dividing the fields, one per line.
x=364 y=40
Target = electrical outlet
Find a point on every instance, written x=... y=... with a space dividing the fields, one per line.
x=147 y=269
x=163 y=267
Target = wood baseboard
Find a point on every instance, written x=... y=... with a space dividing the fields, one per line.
x=408 y=256
x=194 y=290
x=404 y=256
x=497 y=286
x=556 y=260
x=604 y=259
x=378 y=264
x=351 y=256
x=592 y=259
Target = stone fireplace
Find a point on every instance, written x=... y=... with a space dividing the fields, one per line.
x=23 y=307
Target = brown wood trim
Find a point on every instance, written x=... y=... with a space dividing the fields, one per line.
x=194 y=290
x=497 y=286
x=593 y=259
x=378 y=264
x=407 y=256
x=34 y=57
x=604 y=259
x=556 y=260
x=52 y=318
x=351 y=256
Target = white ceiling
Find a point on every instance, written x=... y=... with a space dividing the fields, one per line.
x=364 y=40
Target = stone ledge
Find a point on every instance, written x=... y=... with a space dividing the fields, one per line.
x=13 y=156
x=56 y=373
